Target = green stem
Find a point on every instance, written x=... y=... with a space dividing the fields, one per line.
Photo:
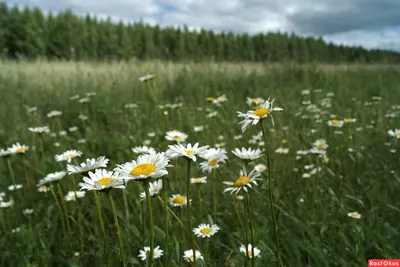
x=60 y=193
x=246 y=234
x=41 y=146
x=126 y=205
x=11 y=173
x=59 y=209
x=121 y=253
x=105 y=246
x=166 y=217
x=189 y=218
x=151 y=222
x=278 y=263
x=214 y=198
x=246 y=198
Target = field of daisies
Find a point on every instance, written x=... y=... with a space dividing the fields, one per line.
x=170 y=164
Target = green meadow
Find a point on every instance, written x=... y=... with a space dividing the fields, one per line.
x=308 y=222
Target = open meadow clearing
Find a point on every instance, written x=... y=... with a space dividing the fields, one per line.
x=322 y=190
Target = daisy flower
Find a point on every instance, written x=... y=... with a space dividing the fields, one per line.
x=282 y=150
x=73 y=195
x=177 y=200
x=254 y=116
x=189 y=257
x=5 y=153
x=43 y=188
x=157 y=253
x=39 y=130
x=260 y=167
x=199 y=180
x=394 y=133
x=220 y=99
x=27 y=211
x=247 y=155
x=198 y=128
x=212 y=114
x=16 y=187
x=254 y=101
x=155 y=188
x=319 y=147
x=146 y=166
x=102 y=179
x=245 y=180
x=349 y=120
x=143 y=150
x=176 y=136
x=6 y=204
x=205 y=230
x=52 y=177
x=68 y=155
x=54 y=113
x=249 y=251
x=335 y=123
x=88 y=165
x=189 y=151
x=214 y=157
x=18 y=148
x=210 y=99
x=147 y=77
x=354 y=215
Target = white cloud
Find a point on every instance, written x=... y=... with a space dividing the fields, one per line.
x=340 y=21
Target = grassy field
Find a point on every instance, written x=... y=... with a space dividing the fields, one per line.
x=358 y=174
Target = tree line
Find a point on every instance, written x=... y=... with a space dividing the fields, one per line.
x=28 y=33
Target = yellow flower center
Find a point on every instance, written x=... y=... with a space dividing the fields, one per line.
x=197 y=180
x=249 y=253
x=143 y=169
x=205 y=231
x=259 y=169
x=320 y=147
x=20 y=149
x=188 y=152
x=284 y=141
x=335 y=122
x=69 y=156
x=177 y=137
x=209 y=99
x=179 y=200
x=282 y=150
x=347 y=120
x=220 y=99
x=43 y=187
x=261 y=112
x=353 y=214
x=242 y=181
x=254 y=100
x=106 y=181
x=398 y=133
x=213 y=162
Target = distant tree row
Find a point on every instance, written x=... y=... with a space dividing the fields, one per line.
x=28 y=33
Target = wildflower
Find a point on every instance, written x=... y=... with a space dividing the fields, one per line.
x=157 y=253
x=245 y=180
x=39 y=130
x=212 y=114
x=7 y=204
x=73 y=195
x=176 y=136
x=254 y=101
x=177 y=200
x=27 y=211
x=16 y=187
x=189 y=257
x=147 y=77
x=143 y=150
x=198 y=128
x=394 y=133
x=282 y=150
x=319 y=147
x=349 y=120
x=154 y=189
x=84 y=100
x=52 y=177
x=88 y=165
x=260 y=167
x=210 y=99
x=54 y=113
x=254 y=116
x=68 y=155
x=354 y=215
x=74 y=97
x=249 y=251
x=220 y=99
x=189 y=151
x=214 y=157
x=73 y=129
x=31 y=109
x=146 y=166
x=335 y=123
x=151 y=134
x=199 y=180
x=247 y=155
x=205 y=230
x=18 y=148
x=102 y=179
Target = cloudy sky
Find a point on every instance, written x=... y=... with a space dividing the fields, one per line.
x=369 y=23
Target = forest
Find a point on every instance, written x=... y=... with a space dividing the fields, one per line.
x=30 y=34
